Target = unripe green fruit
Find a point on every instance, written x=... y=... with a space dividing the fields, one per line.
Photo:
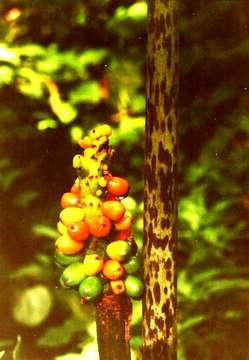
x=71 y=215
x=90 y=288
x=65 y=260
x=134 y=286
x=73 y=274
x=133 y=265
x=118 y=250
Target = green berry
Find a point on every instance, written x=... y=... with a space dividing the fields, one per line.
x=91 y=287
x=73 y=274
x=133 y=265
x=134 y=286
x=65 y=260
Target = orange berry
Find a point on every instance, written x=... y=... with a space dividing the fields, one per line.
x=78 y=231
x=99 y=226
x=117 y=186
x=123 y=224
x=70 y=200
x=117 y=286
x=113 y=209
x=113 y=270
x=68 y=246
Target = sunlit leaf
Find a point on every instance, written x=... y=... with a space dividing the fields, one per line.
x=8 y=55
x=64 y=110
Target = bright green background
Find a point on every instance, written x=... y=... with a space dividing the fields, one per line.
x=94 y=53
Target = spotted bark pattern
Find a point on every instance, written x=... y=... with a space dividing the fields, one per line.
x=160 y=182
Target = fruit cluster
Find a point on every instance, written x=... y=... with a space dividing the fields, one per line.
x=96 y=245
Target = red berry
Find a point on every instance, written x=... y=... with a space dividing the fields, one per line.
x=99 y=226
x=79 y=231
x=117 y=186
x=68 y=200
x=123 y=235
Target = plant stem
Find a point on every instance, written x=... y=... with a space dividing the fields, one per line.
x=113 y=316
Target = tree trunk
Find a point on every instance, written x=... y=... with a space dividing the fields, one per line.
x=160 y=217
x=113 y=316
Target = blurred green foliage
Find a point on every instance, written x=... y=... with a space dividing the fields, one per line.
x=66 y=66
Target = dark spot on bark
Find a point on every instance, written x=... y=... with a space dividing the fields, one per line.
x=168 y=21
x=150 y=298
x=147 y=279
x=150 y=177
x=157 y=292
x=165 y=242
x=167 y=103
x=160 y=323
x=169 y=124
x=163 y=127
x=162 y=24
x=157 y=94
x=169 y=275
x=169 y=49
x=165 y=223
x=168 y=264
x=155 y=266
x=163 y=86
x=164 y=156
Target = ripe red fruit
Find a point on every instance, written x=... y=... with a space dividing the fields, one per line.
x=70 y=200
x=113 y=209
x=123 y=235
x=117 y=186
x=79 y=231
x=99 y=226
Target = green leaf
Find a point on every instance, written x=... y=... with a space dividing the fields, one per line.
x=25 y=198
x=191 y=322
x=88 y=92
x=45 y=230
x=8 y=178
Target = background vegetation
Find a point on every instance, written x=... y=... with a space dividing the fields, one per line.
x=66 y=66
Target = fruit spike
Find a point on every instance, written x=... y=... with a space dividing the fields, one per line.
x=96 y=245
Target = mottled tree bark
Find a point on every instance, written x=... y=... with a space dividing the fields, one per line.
x=160 y=217
x=113 y=316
